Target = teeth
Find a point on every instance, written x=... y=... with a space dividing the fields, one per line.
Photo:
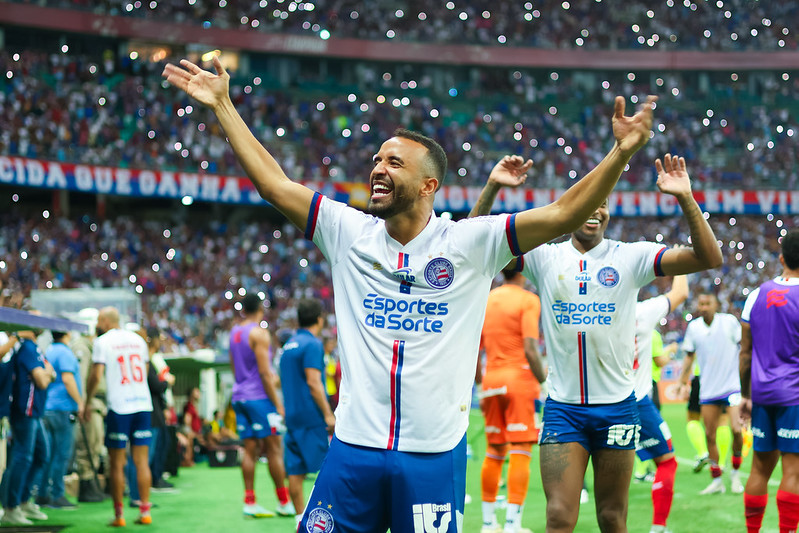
x=592 y=221
x=379 y=190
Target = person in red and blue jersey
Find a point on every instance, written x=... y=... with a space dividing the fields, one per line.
x=769 y=365
x=259 y=409
x=309 y=418
x=31 y=449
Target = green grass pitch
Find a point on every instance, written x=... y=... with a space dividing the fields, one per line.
x=209 y=499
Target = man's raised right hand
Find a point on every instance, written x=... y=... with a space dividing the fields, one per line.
x=207 y=88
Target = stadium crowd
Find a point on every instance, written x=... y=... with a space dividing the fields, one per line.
x=177 y=268
x=190 y=274
x=112 y=110
x=590 y=24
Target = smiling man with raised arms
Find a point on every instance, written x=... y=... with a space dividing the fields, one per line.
x=398 y=457
x=588 y=287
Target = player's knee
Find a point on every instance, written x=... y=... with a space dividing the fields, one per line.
x=611 y=518
x=668 y=465
x=561 y=515
x=498 y=451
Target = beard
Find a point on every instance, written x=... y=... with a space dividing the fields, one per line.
x=402 y=201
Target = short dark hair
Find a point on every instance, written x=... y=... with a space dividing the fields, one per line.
x=153 y=335
x=251 y=303
x=790 y=249
x=308 y=312
x=436 y=154
x=58 y=336
x=712 y=294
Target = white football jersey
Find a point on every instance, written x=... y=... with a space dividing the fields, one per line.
x=125 y=356
x=588 y=313
x=716 y=349
x=647 y=316
x=409 y=320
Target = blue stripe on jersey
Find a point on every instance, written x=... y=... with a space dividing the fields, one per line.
x=510 y=232
x=583 y=285
x=658 y=259
x=581 y=349
x=396 y=397
x=313 y=213
x=398 y=380
x=402 y=262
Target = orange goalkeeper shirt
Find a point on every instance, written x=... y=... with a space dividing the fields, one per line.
x=512 y=315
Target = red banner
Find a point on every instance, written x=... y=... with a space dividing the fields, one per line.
x=239 y=190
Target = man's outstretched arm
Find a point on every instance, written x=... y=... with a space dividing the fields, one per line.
x=572 y=209
x=673 y=179
x=678 y=292
x=212 y=90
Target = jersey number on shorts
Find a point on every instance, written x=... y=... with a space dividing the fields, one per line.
x=135 y=369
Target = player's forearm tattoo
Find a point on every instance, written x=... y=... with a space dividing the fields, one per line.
x=701 y=235
x=485 y=201
x=692 y=213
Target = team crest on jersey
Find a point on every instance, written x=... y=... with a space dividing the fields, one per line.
x=319 y=521
x=608 y=276
x=439 y=273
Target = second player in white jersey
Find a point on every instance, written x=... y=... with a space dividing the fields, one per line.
x=716 y=348
x=125 y=356
x=648 y=314
x=588 y=315
x=395 y=307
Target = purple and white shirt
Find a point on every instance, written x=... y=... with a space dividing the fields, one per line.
x=772 y=311
x=248 y=385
